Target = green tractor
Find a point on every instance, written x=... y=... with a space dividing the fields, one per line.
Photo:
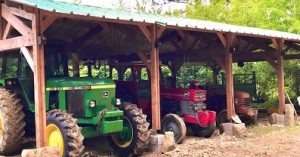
x=77 y=108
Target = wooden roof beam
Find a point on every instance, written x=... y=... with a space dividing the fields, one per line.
x=47 y=22
x=21 y=13
x=14 y=21
x=7 y=31
x=222 y=39
x=16 y=42
x=146 y=31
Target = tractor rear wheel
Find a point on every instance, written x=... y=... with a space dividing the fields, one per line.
x=133 y=140
x=12 y=123
x=206 y=131
x=64 y=133
x=172 y=122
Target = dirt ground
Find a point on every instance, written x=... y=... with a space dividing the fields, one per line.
x=262 y=140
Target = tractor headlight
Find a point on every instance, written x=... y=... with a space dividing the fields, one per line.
x=199 y=106
x=92 y=103
x=118 y=101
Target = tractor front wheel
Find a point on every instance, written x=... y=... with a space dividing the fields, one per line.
x=64 y=133
x=133 y=140
x=206 y=131
x=222 y=117
x=172 y=122
x=12 y=123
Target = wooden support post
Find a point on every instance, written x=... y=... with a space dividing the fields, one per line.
x=229 y=77
x=75 y=64
x=39 y=82
x=280 y=76
x=155 y=91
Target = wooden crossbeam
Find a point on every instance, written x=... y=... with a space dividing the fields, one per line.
x=16 y=42
x=14 y=21
x=144 y=59
x=47 y=22
x=274 y=43
x=219 y=61
x=272 y=63
x=222 y=39
x=6 y=31
x=160 y=31
x=28 y=56
x=20 y=13
x=146 y=32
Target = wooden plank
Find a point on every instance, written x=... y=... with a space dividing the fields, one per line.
x=16 y=42
x=39 y=82
x=143 y=58
x=229 y=78
x=146 y=32
x=6 y=31
x=21 y=13
x=155 y=91
x=222 y=39
x=46 y=23
x=28 y=56
x=14 y=21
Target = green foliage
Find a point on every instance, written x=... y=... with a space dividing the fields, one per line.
x=282 y=15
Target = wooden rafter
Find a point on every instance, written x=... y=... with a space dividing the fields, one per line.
x=47 y=22
x=16 y=42
x=6 y=31
x=14 y=21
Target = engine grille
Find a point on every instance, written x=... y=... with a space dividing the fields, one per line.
x=187 y=108
x=76 y=102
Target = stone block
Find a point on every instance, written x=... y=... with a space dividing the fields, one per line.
x=156 y=143
x=169 y=142
x=289 y=118
x=277 y=119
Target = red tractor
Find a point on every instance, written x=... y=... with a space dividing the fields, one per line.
x=179 y=106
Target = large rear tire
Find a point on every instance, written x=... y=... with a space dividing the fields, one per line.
x=172 y=122
x=206 y=131
x=12 y=123
x=134 y=138
x=64 y=133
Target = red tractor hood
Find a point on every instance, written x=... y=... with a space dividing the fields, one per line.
x=183 y=94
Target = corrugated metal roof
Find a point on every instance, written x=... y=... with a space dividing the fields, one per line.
x=183 y=23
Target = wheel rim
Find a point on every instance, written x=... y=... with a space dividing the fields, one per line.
x=173 y=127
x=124 y=138
x=55 y=138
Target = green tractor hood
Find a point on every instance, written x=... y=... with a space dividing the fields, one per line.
x=79 y=83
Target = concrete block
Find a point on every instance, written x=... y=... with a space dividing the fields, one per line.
x=227 y=128
x=289 y=118
x=239 y=130
x=47 y=152
x=169 y=142
x=156 y=143
x=277 y=119
x=233 y=129
x=28 y=153
x=41 y=152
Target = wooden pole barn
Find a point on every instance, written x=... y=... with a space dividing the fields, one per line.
x=196 y=43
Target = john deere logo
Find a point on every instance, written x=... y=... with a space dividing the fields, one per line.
x=105 y=94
